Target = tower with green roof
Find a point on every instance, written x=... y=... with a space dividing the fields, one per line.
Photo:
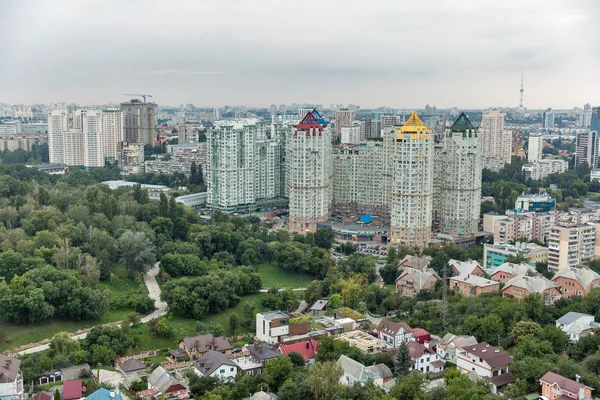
x=459 y=177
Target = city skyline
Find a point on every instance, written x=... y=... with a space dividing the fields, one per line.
x=463 y=54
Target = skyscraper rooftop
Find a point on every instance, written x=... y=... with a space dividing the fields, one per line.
x=414 y=125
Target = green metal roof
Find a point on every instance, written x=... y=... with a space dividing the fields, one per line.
x=462 y=124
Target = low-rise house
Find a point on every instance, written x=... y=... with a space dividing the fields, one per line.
x=197 y=346
x=420 y=335
x=132 y=366
x=470 y=267
x=412 y=281
x=364 y=342
x=319 y=307
x=355 y=372
x=105 y=394
x=164 y=382
x=424 y=357
x=557 y=387
x=394 y=333
x=508 y=271
x=11 y=378
x=472 y=285
x=248 y=365
x=446 y=347
x=41 y=396
x=214 y=364
x=306 y=348
x=346 y=312
x=263 y=352
x=522 y=286
x=415 y=262
x=73 y=390
x=576 y=325
x=262 y=396
x=574 y=281
x=273 y=326
x=487 y=362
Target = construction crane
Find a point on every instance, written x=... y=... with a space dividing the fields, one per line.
x=140 y=95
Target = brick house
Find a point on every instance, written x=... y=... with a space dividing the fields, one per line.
x=507 y=271
x=575 y=281
x=522 y=286
x=555 y=387
x=412 y=281
x=472 y=285
x=470 y=267
x=416 y=262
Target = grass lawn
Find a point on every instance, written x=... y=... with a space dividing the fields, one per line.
x=13 y=336
x=273 y=276
x=187 y=327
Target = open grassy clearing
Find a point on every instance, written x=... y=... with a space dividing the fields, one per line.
x=13 y=336
x=273 y=276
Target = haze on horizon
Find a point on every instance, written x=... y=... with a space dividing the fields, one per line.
x=403 y=54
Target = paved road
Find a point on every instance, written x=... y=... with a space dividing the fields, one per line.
x=154 y=292
x=295 y=290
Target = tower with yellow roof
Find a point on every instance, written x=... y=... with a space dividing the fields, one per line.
x=412 y=184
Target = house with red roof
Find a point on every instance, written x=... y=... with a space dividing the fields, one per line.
x=73 y=390
x=306 y=348
x=420 y=335
x=424 y=358
x=557 y=387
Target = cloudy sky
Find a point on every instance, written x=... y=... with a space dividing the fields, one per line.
x=397 y=53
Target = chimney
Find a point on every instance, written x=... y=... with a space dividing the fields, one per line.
x=577 y=377
x=426 y=344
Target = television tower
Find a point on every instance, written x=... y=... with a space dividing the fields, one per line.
x=522 y=90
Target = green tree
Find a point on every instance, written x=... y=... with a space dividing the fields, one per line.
x=277 y=371
x=403 y=361
x=63 y=344
x=56 y=395
x=524 y=328
x=297 y=359
x=409 y=387
x=136 y=252
x=323 y=379
x=313 y=292
x=324 y=238
x=234 y=323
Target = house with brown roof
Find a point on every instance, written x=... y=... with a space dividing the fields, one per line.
x=575 y=281
x=42 y=396
x=522 y=286
x=507 y=271
x=132 y=366
x=486 y=362
x=470 y=267
x=394 y=333
x=424 y=357
x=416 y=262
x=11 y=378
x=473 y=285
x=557 y=387
x=197 y=346
x=412 y=281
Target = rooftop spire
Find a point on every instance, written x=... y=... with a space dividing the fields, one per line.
x=413 y=124
x=462 y=124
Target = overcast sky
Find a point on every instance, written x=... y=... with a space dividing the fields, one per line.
x=399 y=53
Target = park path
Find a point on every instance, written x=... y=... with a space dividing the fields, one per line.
x=295 y=290
x=153 y=291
